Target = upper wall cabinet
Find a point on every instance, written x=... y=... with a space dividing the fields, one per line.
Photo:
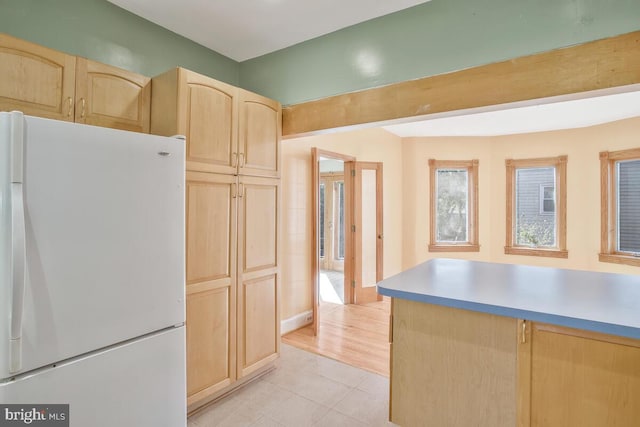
x=47 y=83
x=260 y=130
x=36 y=80
x=228 y=130
x=111 y=97
x=205 y=111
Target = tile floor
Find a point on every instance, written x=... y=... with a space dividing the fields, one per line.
x=304 y=390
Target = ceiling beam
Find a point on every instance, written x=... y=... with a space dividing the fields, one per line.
x=600 y=64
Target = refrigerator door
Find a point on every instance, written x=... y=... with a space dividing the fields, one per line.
x=104 y=219
x=140 y=384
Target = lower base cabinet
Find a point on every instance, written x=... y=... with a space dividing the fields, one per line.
x=457 y=367
x=232 y=281
x=571 y=377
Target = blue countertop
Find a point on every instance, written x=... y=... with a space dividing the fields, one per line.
x=600 y=302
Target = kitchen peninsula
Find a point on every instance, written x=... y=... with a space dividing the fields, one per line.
x=488 y=344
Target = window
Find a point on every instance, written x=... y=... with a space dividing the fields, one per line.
x=536 y=207
x=547 y=198
x=453 y=206
x=620 y=210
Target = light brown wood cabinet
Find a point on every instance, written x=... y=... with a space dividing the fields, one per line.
x=451 y=367
x=258 y=273
x=229 y=130
x=44 y=82
x=211 y=214
x=233 y=197
x=572 y=377
x=232 y=280
x=458 y=367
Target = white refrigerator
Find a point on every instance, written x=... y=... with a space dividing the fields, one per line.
x=92 y=305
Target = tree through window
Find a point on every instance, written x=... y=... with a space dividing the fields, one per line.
x=453 y=201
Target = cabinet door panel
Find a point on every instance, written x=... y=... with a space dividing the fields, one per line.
x=258 y=300
x=111 y=97
x=260 y=133
x=580 y=378
x=211 y=220
x=210 y=342
x=260 y=224
x=210 y=113
x=36 y=80
x=258 y=273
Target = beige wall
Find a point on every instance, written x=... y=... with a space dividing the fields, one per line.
x=582 y=147
x=365 y=145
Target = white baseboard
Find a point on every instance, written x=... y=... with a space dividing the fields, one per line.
x=298 y=321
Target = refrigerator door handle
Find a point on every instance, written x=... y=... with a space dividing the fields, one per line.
x=18 y=275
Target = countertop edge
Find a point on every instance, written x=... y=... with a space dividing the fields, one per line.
x=571 y=322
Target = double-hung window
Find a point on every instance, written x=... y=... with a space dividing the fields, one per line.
x=536 y=207
x=453 y=206
x=620 y=206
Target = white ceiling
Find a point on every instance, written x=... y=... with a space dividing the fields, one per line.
x=244 y=29
x=533 y=118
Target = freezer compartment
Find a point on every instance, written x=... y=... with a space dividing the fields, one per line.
x=141 y=383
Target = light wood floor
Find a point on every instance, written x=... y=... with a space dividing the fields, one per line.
x=354 y=334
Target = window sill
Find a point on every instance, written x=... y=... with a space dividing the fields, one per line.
x=620 y=259
x=463 y=247
x=552 y=253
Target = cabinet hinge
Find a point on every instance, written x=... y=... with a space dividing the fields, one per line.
x=353 y=228
x=391 y=329
x=353 y=172
x=353 y=283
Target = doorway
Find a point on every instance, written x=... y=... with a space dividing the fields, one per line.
x=350 y=323
x=333 y=244
x=332 y=229
x=347 y=238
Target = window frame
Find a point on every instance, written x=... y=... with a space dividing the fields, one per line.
x=560 y=165
x=472 y=244
x=608 y=204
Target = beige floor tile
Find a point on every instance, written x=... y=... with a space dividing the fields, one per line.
x=304 y=390
x=297 y=412
x=374 y=384
x=336 y=419
x=214 y=414
x=265 y=421
x=338 y=371
x=370 y=409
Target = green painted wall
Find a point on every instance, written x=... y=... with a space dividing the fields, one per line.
x=432 y=38
x=437 y=37
x=99 y=30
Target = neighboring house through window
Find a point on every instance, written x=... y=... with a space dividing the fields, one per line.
x=453 y=206
x=536 y=207
x=620 y=206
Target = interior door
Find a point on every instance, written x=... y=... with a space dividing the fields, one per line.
x=368 y=236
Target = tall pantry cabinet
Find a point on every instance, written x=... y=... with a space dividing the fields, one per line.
x=232 y=214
